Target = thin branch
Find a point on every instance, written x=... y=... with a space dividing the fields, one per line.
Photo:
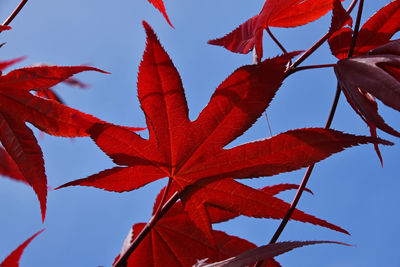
x=356 y=29
x=276 y=40
x=15 y=13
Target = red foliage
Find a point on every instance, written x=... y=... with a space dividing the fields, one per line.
x=203 y=174
x=18 y=106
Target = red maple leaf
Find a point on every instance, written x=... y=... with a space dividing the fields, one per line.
x=190 y=152
x=275 y=13
x=12 y=260
x=18 y=106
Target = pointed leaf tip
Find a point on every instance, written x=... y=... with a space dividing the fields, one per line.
x=12 y=260
x=160 y=6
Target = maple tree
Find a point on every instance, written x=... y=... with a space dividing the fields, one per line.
x=204 y=176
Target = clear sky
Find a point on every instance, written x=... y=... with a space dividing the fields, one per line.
x=86 y=226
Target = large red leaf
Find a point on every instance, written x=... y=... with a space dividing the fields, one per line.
x=377 y=31
x=376 y=74
x=18 y=106
x=189 y=151
x=12 y=260
x=160 y=6
x=176 y=241
x=275 y=13
x=174 y=140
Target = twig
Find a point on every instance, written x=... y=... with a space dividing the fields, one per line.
x=15 y=13
x=276 y=40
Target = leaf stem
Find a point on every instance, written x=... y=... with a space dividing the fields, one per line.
x=122 y=261
x=14 y=13
x=276 y=40
x=356 y=29
x=164 y=196
x=306 y=175
x=319 y=66
x=319 y=42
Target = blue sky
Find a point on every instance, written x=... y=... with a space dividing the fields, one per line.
x=86 y=226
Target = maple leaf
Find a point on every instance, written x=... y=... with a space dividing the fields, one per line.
x=175 y=141
x=375 y=74
x=275 y=13
x=176 y=241
x=159 y=4
x=189 y=151
x=377 y=31
x=18 y=106
x=12 y=260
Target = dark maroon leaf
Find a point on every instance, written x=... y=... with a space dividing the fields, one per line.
x=375 y=74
